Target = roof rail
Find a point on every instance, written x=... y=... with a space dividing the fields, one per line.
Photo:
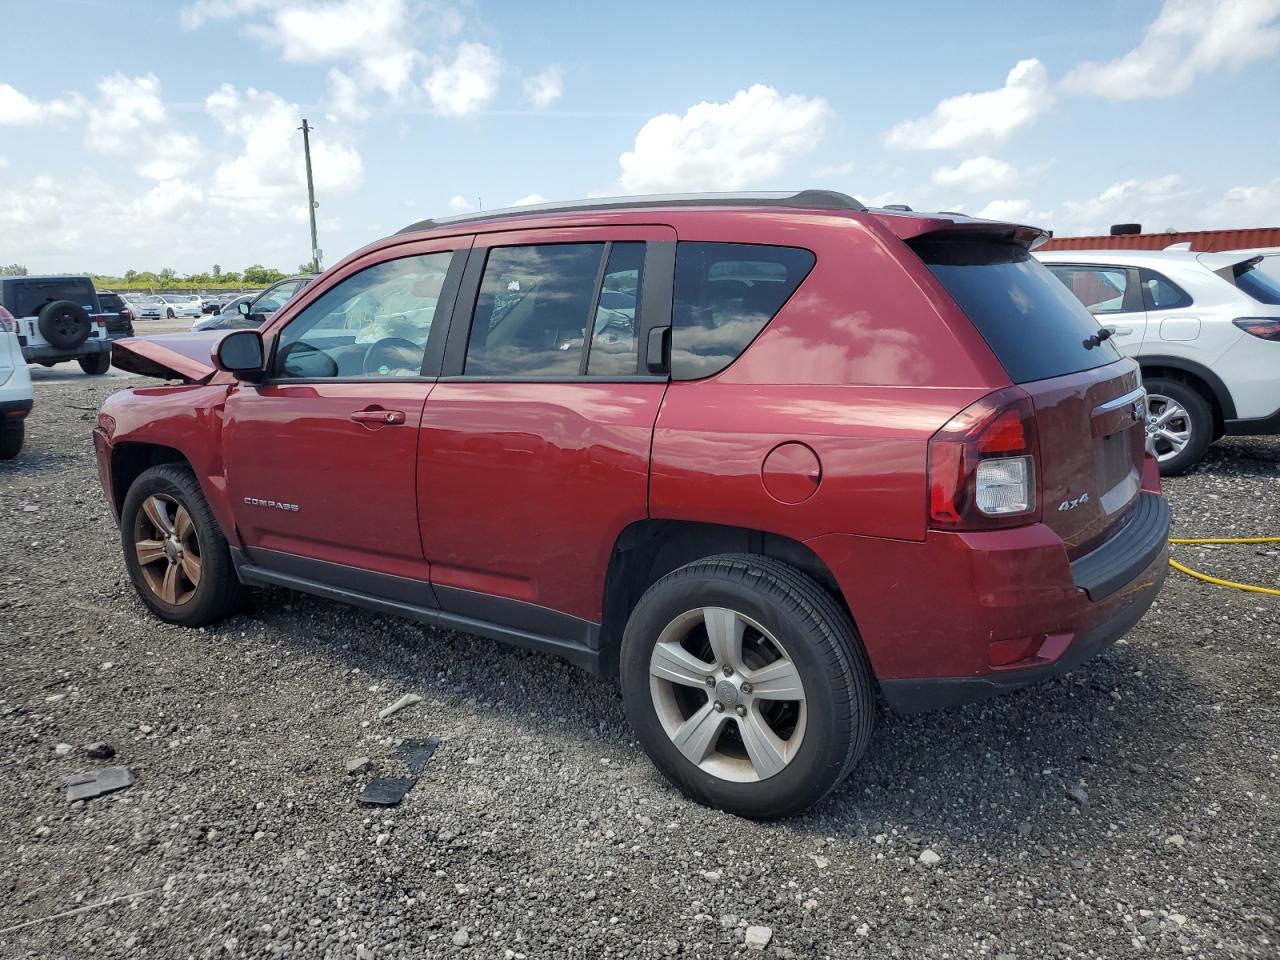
x=814 y=199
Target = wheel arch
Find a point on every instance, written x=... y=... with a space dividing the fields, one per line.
x=130 y=458
x=647 y=550
x=1203 y=380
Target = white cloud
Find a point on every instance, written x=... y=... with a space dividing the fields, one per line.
x=1156 y=203
x=972 y=119
x=373 y=43
x=977 y=174
x=85 y=223
x=168 y=155
x=344 y=97
x=460 y=204
x=836 y=169
x=1243 y=207
x=1188 y=38
x=195 y=15
x=17 y=109
x=529 y=200
x=545 y=88
x=268 y=177
x=465 y=85
x=125 y=107
x=747 y=141
x=1014 y=211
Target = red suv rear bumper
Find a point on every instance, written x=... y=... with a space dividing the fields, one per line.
x=984 y=613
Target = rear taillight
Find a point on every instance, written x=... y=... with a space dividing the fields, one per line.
x=7 y=323
x=1267 y=328
x=982 y=465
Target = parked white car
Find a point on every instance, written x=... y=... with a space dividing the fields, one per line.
x=178 y=305
x=1205 y=328
x=15 y=388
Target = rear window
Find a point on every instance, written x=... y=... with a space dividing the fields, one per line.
x=111 y=301
x=28 y=296
x=725 y=293
x=1034 y=325
x=1254 y=280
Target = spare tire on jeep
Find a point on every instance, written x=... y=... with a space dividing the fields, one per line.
x=64 y=324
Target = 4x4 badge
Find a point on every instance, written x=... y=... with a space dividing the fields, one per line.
x=1066 y=505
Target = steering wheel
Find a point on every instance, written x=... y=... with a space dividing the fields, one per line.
x=619 y=324
x=392 y=353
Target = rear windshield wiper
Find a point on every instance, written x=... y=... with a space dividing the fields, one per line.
x=1098 y=338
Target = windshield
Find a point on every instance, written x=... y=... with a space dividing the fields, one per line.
x=1260 y=279
x=1034 y=324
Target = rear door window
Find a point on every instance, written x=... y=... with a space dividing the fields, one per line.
x=1102 y=290
x=725 y=294
x=1034 y=324
x=1161 y=293
x=532 y=310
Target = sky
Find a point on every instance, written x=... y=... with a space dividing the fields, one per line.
x=147 y=134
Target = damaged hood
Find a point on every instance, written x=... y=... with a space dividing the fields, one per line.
x=185 y=356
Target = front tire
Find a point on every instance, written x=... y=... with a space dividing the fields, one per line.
x=169 y=314
x=11 y=437
x=747 y=685
x=96 y=364
x=177 y=558
x=1179 y=424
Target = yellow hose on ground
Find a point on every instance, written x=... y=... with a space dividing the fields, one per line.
x=1251 y=588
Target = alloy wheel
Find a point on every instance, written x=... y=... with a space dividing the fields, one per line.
x=727 y=694
x=1168 y=427
x=168 y=549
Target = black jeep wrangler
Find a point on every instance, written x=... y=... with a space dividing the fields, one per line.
x=58 y=318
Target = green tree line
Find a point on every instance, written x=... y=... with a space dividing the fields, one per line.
x=167 y=278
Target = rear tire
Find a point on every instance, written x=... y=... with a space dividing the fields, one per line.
x=1192 y=420
x=11 y=437
x=819 y=709
x=96 y=364
x=176 y=590
x=64 y=324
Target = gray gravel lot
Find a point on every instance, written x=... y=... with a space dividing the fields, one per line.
x=1128 y=809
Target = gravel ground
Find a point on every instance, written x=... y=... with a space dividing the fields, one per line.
x=1130 y=808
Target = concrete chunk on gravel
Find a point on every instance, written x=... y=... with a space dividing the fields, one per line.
x=757 y=938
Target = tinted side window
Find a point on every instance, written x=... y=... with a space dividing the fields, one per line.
x=372 y=325
x=1100 y=289
x=1032 y=323
x=275 y=298
x=725 y=293
x=1161 y=293
x=613 y=351
x=532 y=311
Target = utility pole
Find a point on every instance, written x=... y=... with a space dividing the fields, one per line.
x=306 y=129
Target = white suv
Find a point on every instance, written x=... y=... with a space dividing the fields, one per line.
x=1205 y=328
x=15 y=388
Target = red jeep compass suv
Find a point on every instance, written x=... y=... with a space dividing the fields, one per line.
x=756 y=456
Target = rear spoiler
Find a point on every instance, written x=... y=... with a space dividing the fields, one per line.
x=1229 y=265
x=175 y=356
x=912 y=226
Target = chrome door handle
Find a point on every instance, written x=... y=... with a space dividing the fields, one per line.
x=388 y=417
